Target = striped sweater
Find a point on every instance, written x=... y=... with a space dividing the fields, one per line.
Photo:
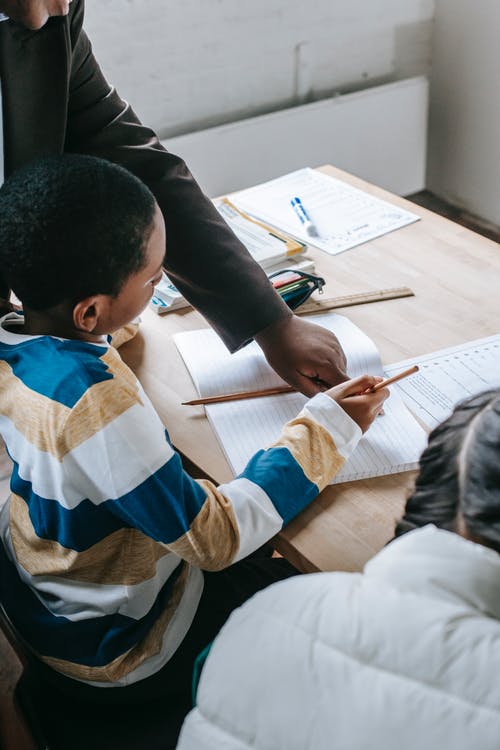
x=105 y=536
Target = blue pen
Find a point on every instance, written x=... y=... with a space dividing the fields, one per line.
x=304 y=217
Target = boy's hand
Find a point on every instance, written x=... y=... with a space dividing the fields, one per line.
x=361 y=406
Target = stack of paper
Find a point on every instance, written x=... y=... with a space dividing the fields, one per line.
x=393 y=443
x=266 y=245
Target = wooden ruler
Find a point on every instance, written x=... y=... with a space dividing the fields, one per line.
x=363 y=298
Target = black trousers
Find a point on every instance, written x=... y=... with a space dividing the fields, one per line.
x=168 y=692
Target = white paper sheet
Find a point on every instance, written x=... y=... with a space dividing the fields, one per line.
x=449 y=376
x=343 y=215
x=393 y=443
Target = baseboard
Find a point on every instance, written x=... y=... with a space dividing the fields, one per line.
x=379 y=134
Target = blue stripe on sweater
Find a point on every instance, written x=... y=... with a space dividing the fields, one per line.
x=60 y=370
x=165 y=505
x=162 y=507
x=77 y=529
x=94 y=642
x=283 y=480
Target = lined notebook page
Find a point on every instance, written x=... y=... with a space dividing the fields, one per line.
x=215 y=371
x=393 y=443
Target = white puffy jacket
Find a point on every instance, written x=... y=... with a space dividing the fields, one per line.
x=403 y=656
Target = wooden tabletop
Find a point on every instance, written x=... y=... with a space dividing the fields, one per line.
x=454 y=274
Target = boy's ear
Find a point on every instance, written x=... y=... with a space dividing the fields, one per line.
x=89 y=312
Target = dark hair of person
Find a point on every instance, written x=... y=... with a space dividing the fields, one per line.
x=72 y=226
x=460 y=473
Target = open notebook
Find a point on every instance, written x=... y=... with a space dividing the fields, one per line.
x=393 y=443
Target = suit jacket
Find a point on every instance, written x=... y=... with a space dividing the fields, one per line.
x=56 y=99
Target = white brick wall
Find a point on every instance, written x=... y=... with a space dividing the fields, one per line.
x=191 y=64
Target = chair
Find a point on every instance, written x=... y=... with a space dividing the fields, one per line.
x=20 y=724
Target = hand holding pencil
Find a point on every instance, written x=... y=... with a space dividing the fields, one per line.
x=362 y=398
x=366 y=403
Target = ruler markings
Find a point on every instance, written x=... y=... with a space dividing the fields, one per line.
x=363 y=298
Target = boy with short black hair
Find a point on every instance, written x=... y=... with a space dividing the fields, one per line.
x=106 y=539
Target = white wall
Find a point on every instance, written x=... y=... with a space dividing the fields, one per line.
x=193 y=64
x=464 y=132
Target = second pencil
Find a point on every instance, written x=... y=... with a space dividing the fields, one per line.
x=238 y=396
x=395 y=378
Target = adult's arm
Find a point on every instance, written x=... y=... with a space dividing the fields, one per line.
x=204 y=258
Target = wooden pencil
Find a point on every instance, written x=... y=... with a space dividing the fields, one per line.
x=241 y=395
x=284 y=389
x=395 y=378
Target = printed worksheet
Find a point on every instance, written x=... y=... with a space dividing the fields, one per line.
x=342 y=216
x=449 y=376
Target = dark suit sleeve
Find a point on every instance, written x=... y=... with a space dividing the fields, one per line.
x=203 y=257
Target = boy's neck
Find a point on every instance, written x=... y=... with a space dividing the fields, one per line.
x=54 y=322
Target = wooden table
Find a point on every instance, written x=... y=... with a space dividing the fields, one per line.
x=455 y=275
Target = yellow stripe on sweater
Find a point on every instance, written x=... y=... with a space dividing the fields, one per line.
x=55 y=428
x=213 y=538
x=124 y=558
x=313 y=448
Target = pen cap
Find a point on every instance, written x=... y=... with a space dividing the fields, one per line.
x=297 y=206
x=304 y=217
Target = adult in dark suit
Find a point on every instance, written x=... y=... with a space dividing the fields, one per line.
x=55 y=99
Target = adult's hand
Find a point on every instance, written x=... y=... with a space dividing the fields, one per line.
x=304 y=354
